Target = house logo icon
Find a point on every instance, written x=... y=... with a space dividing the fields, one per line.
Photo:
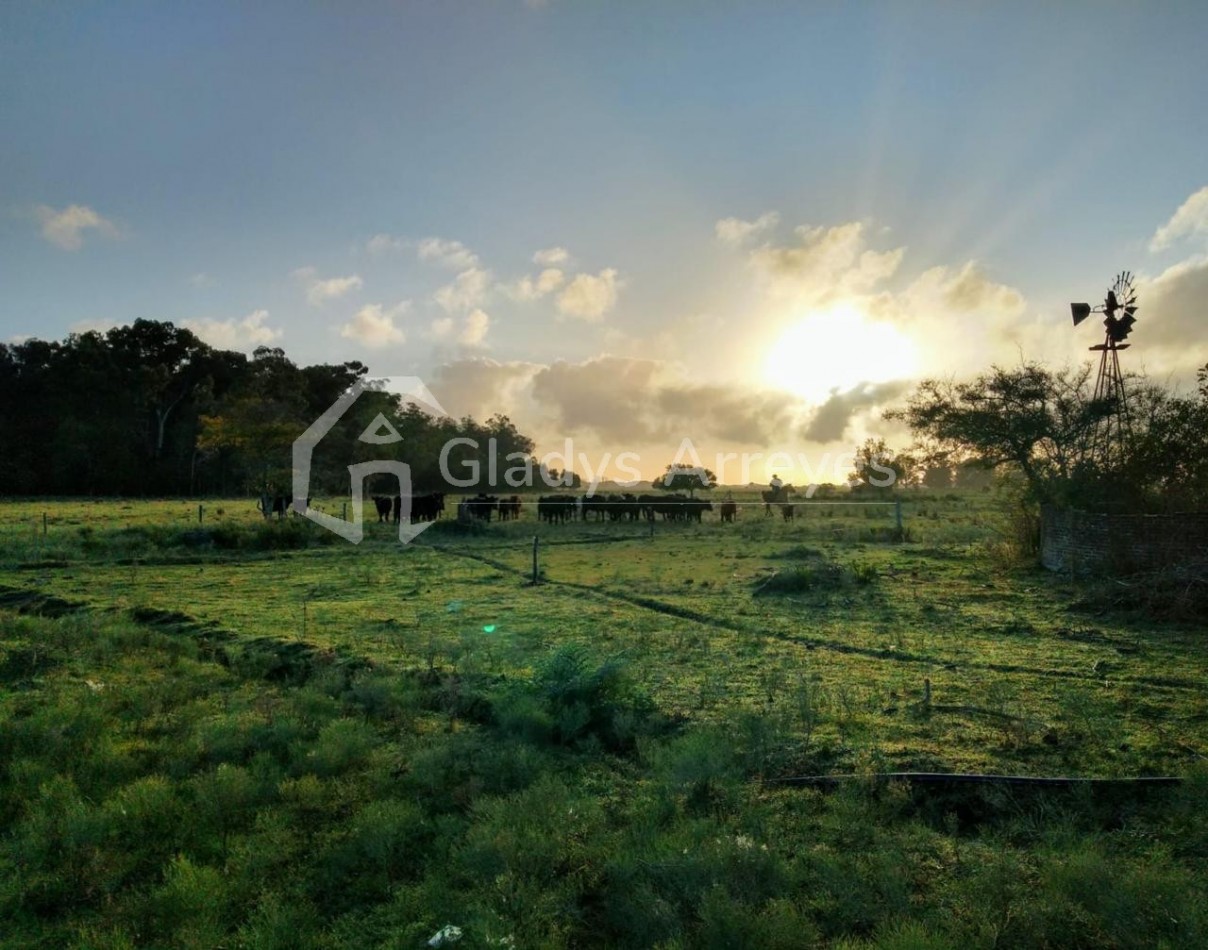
x=378 y=432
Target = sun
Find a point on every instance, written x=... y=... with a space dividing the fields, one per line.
x=838 y=348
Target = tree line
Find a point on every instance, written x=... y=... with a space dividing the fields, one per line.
x=151 y=409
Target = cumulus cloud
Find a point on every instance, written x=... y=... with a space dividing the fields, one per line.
x=481 y=387
x=384 y=244
x=529 y=288
x=446 y=253
x=468 y=290
x=474 y=331
x=588 y=297
x=93 y=326
x=735 y=231
x=320 y=291
x=66 y=228
x=1171 y=316
x=967 y=290
x=373 y=326
x=551 y=256
x=830 y=421
x=1191 y=218
x=628 y=401
x=825 y=263
x=235 y=334
x=470 y=331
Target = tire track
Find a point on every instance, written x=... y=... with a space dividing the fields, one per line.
x=820 y=643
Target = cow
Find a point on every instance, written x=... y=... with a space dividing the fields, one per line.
x=481 y=506
x=509 y=508
x=597 y=505
x=556 y=509
x=786 y=511
x=384 y=505
x=729 y=511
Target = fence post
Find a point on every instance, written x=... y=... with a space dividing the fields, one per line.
x=536 y=572
x=344 y=511
x=897 y=510
x=200 y=512
x=44 y=524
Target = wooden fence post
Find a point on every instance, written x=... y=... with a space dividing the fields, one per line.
x=536 y=570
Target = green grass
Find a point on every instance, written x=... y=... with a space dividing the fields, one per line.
x=277 y=738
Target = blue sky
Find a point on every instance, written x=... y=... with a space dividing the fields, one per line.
x=230 y=166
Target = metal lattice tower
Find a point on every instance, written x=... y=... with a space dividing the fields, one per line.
x=1119 y=308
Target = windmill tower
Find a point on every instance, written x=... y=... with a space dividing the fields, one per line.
x=1119 y=308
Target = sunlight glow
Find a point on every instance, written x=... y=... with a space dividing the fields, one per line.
x=838 y=348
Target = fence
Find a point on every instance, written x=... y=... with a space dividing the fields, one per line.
x=1082 y=542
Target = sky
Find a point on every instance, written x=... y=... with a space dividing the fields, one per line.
x=752 y=225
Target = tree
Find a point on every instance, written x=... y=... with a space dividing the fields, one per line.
x=937 y=477
x=878 y=466
x=1045 y=425
x=684 y=477
x=1035 y=419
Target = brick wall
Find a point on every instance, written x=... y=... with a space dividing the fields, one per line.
x=1082 y=542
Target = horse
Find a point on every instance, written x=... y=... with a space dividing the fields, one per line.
x=775 y=496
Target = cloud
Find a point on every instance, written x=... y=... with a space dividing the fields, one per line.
x=373 y=326
x=446 y=253
x=967 y=290
x=65 y=228
x=471 y=332
x=235 y=334
x=1191 y=218
x=589 y=297
x=526 y=288
x=830 y=421
x=468 y=290
x=633 y=401
x=384 y=244
x=1171 y=314
x=735 y=231
x=551 y=256
x=319 y=291
x=825 y=263
x=481 y=387
x=93 y=326
x=441 y=328
x=474 y=332
x=201 y=279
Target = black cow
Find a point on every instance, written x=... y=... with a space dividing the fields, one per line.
x=481 y=506
x=556 y=509
x=729 y=510
x=509 y=508
x=427 y=507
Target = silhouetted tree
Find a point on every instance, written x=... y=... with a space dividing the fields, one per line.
x=684 y=477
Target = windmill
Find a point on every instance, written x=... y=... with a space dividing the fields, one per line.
x=1119 y=308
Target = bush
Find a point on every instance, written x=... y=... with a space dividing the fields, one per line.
x=584 y=700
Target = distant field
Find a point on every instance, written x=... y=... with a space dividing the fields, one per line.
x=822 y=626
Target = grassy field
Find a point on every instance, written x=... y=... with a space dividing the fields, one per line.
x=249 y=734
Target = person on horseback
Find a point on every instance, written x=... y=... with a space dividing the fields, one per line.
x=776 y=485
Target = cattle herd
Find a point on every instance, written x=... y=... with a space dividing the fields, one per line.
x=555 y=509
x=426 y=507
x=552 y=509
